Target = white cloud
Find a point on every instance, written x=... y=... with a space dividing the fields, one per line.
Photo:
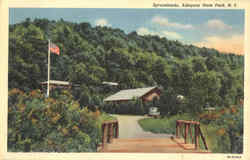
x=144 y=31
x=102 y=22
x=165 y=22
x=232 y=44
x=170 y=35
x=217 y=24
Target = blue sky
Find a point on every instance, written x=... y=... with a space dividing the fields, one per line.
x=220 y=29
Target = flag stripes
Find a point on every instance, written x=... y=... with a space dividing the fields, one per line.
x=54 y=49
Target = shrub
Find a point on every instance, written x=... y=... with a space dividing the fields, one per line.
x=54 y=124
x=223 y=129
x=134 y=107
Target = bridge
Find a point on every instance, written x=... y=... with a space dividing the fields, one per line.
x=188 y=139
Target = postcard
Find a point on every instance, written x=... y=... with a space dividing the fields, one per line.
x=124 y=80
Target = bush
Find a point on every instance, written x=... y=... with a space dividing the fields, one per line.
x=134 y=107
x=54 y=124
x=169 y=103
x=227 y=129
x=223 y=129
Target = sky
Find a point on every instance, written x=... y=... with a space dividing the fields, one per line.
x=219 y=29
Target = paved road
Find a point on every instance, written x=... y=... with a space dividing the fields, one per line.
x=129 y=128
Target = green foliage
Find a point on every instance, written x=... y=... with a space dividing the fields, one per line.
x=56 y=124
x=91 y=55
x=135 y=107
x=163 y=125
x=107 y=117
x=223 y=129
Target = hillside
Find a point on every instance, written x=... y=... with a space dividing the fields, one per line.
x=91 y=55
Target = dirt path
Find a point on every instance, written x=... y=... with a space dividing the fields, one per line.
x=129 y=128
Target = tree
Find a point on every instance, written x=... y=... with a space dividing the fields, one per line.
x=205 y=89
x=199 y=64
x=90 y=55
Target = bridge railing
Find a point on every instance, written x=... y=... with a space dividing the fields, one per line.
x=190 y=130
x=110 y=130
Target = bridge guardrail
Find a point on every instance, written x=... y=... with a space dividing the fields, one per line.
x=110 y=130
x=184 y=129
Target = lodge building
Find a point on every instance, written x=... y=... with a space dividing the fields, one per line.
x=145 y=94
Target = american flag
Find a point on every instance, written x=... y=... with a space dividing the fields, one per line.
x=54 y=49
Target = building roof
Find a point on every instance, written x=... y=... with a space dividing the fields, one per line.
x=129 y=94
x=110 y=83
x=56 y=82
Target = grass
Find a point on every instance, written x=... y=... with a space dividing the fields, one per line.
x=156 y=125
x=163 y=125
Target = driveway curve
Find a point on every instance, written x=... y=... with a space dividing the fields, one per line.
x=130 y=128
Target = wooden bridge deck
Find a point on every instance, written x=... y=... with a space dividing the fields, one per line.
x=150 y=145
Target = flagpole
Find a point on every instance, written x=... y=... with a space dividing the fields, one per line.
x=48 y=68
